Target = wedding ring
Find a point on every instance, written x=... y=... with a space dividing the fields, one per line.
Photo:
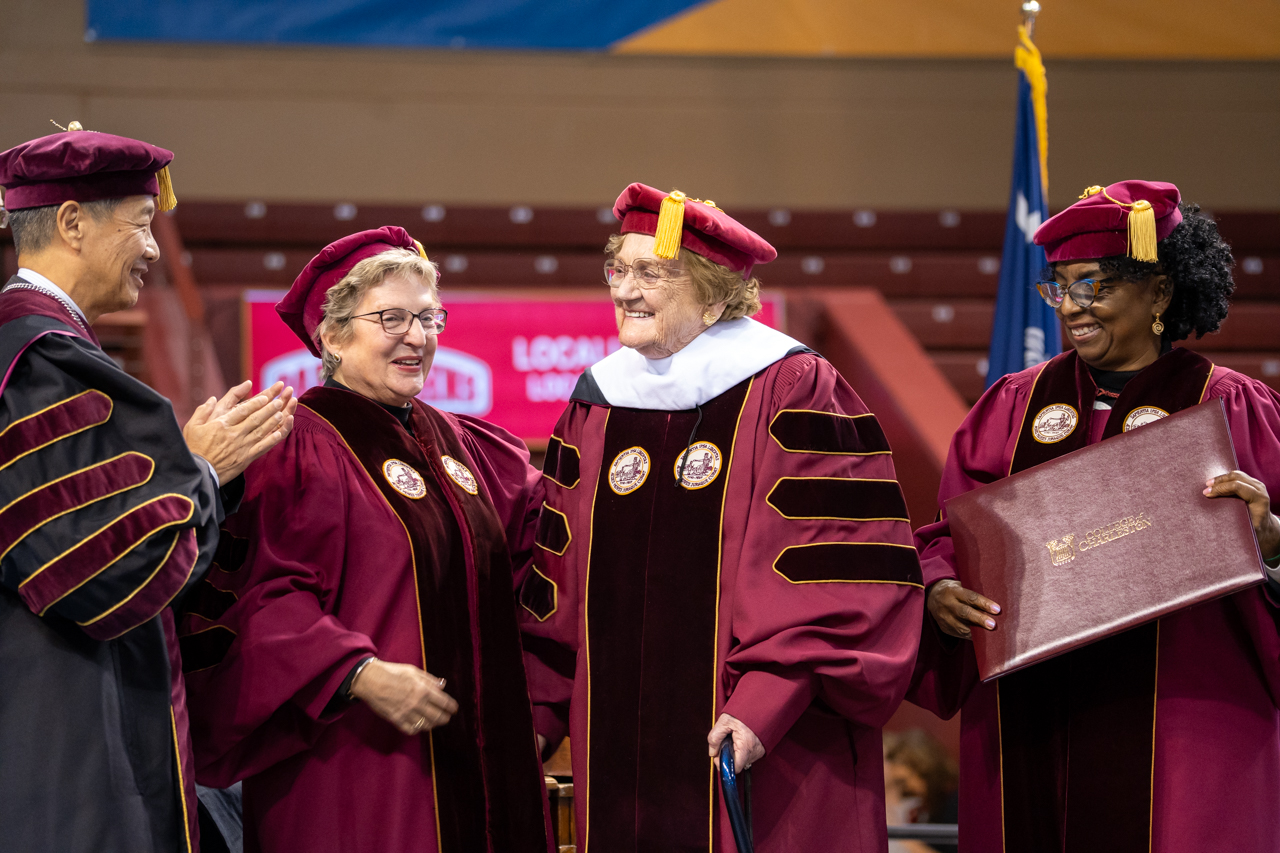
x=417 y=727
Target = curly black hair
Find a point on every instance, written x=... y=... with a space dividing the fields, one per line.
x=1198 y=262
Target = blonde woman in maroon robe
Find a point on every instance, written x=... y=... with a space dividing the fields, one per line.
x=353 y=656
x=723 y=549
x=1166 y=737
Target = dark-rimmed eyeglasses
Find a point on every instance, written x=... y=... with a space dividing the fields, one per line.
x=647 y=274
x=1082 y=292
x=396 y=321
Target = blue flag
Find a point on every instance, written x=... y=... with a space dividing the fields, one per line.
x=1025 y=331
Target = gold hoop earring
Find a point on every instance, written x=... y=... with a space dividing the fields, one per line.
x=709 y=319
x=1157 y=326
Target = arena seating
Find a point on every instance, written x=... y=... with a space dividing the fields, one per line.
x=938 y=270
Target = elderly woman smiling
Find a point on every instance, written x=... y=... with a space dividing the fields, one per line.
x=725 y=549
x=357 y=642
x=1164 y=737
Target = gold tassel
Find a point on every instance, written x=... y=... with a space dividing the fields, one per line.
x=670 y=226
x=421 y=251
x=1142 y=232
x=1142 y=226
x=168 y=201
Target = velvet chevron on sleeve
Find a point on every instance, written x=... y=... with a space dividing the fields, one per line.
x=106 y=522
x=105 y=515
x=749 y=557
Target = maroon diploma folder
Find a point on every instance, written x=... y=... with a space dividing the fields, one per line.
x=1104 y=539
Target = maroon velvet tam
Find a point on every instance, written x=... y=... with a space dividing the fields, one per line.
x=706 y=229
x=79 y=165
x=1097 y=226
x=300 y=308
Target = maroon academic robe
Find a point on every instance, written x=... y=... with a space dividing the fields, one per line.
x=1172 y=729
x=778 y=586
x=356 y=539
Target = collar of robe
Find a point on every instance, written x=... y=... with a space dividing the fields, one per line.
x=400 y=413
x=715 y=361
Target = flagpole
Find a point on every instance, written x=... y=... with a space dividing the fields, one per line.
x=1029 y=11
x=1025 y=330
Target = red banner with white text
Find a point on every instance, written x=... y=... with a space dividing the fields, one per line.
x=510 y=358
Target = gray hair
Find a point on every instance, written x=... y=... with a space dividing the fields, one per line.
x=34 y=227
x=343 y=299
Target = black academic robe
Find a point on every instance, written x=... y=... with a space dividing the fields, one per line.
x=106 y=519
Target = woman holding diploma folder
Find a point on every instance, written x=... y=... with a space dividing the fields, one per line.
x=1165 y=737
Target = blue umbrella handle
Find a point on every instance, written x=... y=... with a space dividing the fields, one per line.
x=739 y=816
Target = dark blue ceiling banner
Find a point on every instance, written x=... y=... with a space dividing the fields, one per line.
x=493 y=24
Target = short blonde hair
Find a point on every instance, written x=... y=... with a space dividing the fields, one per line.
x=343 y=299
x=712 y=282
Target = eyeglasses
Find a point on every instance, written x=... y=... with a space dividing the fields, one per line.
x=648 y=274
x=1082 y=292
x=396 y=321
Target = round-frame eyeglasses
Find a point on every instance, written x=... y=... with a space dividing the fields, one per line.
x=648 y=274
x=1082 y=291
x=396 y=321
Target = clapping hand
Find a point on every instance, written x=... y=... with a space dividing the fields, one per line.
x=232 y=432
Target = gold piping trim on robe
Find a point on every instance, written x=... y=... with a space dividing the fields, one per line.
x=1000 y=746
x=3 y=509
x=843 y=580
x=1155 y=707
x=830 y=517
x=195 y=560
x=576 y=450
x=1017 y=435
x=1207 y=380
x=417 y=593
x=191 y=508
x=824 y=452
x=555 y=596
x=586 y=637
x=715 y=637
x=110 y=408
x=435 y=790
x=160 y=565
x=568 y=531
x=182 y=786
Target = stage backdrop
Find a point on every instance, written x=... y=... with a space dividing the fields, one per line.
x=511 y=358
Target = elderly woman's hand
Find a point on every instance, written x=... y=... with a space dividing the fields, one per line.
x=747 y=748
x=957 y=609
x=1266 y=527
x=410 y=699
